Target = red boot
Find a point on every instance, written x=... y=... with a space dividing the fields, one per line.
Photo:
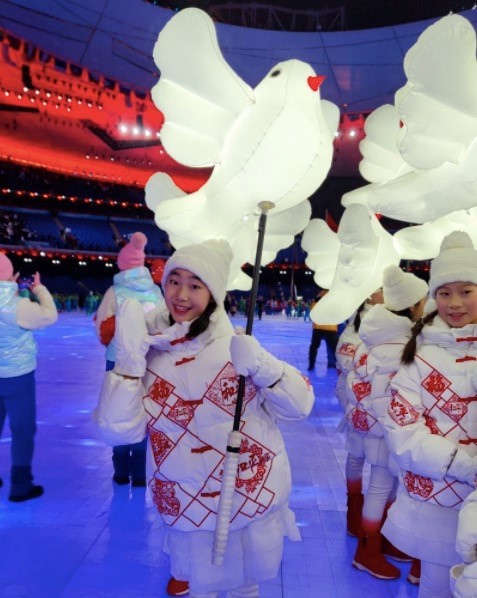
x=393 y=552
x=353 y=515
x=175 y=587
x=414 y=575
x=369 y=558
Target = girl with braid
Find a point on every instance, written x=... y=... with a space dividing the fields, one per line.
x=345 y=351
x=431 y=424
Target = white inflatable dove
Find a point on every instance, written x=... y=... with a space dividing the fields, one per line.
x=438 y=108
x=272 y=143
x=365 y=250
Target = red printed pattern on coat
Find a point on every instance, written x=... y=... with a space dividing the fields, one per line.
x=455 y=408
x=252 y=466
x=160 y=444
x=418 y=485
x=401 y=411
x=347 y=349
x=361 y=390
x=359 y=420
x=431 y=424
x=223 y=390
x=165 y=499
x=435 y=383
x=160 y=390
x=363 y=360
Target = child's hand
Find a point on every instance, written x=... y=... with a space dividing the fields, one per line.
x=36 y=281
x=250 y=359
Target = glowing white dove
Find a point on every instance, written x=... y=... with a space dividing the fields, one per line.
x=438 y=108
x=365 y=250
x=271 y=143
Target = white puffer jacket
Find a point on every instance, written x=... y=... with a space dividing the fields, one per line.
x=345 y=350
x=432 y=419
x=375 y=363
x=186 y=402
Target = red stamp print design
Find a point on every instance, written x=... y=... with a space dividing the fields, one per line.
x=431 y=424
x=361 y=390
x=416 y=484
x=252 y=466
x=165 y=499
x=228 y=389
x=183 y=411
x=359 y=420
x=223 y=390
x=363 y=360
x=347 y=349
x=161 y=445
x=455 y=408
x=401 y=411
x=435 y=383
x=160 y=390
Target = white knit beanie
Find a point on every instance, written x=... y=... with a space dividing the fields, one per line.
x=456 y=262
x=210 y=261
x=402 y=289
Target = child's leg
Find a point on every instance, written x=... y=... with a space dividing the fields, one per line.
x=137 y=463
x=434 y=581
x=250 y=591
x=354 y=487
x=369 y=556
x=121 y=456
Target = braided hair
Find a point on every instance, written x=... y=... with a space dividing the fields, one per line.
x=409 y=351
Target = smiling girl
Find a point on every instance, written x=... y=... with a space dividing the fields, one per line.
x=432 y=419
x=186 y=400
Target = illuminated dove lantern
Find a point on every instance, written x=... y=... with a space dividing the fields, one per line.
x=438 y=140
x=272 y=143
x=423 y=242
x=365 y=250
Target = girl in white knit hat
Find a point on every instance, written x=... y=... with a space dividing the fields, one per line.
x=384 y=330
x=348 y=342
x=431 y=422
x=184 y=393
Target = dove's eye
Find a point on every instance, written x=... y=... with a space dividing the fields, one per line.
x=276 y=73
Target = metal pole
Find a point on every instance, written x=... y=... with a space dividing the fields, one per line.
x=234 y=438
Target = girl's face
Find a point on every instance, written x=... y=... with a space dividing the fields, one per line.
x=457 y=303
x=186 y=296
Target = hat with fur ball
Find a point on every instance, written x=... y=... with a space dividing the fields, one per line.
x=132 y=254
x=402 y=289
x=456 y=262
x=6 y=267
x=210 y=261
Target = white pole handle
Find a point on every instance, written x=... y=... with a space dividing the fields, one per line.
x=226 y=497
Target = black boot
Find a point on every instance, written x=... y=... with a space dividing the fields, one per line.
x=22 y=487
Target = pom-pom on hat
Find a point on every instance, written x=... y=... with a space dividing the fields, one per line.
x=456 y=262
x=210 y=261
x=132 y=254
x=402 y=289
x=6 y=267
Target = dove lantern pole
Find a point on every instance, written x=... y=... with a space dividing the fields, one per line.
x=234 y=438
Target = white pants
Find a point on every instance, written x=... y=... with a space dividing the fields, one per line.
x=434 y=581
x=381 y=490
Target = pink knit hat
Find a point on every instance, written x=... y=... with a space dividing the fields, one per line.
x=132 y=254
x=6 y=267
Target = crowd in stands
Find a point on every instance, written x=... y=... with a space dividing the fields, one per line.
x=13 y=230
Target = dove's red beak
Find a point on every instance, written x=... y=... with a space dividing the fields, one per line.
x=315 y=82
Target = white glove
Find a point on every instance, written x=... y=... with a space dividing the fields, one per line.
x=250 y=359
x=463 y=580
x=131 y=339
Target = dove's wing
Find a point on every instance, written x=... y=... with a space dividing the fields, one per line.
x=438 y=106
x=381 y=158
x=322 y=246
x=366 y=250
x=198 y=93
x=423 y=242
